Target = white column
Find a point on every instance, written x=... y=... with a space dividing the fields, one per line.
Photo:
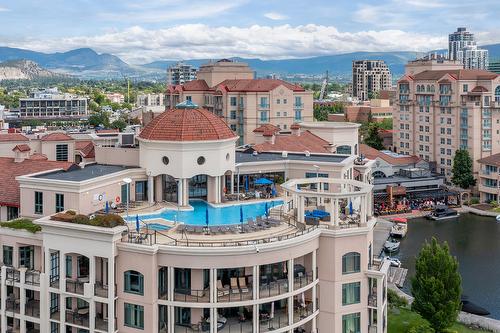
x=92 y=311
x=44 y=294
x=363 y=208
x=314 y=289
x=232 y=183
x=151 y=192
x=4 y=295
x=336 y=214
x=111 y=292
x=213 y=285
x=290 y=288
x=185 y=190
x=179 y=192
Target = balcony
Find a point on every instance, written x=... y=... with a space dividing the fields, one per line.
x=273 y=288
x=76 y=286
x=78 y=317
x=298 y=105
x=32 y=278
x=302 y=280
x=12 y=304
x=32 y=308
x=263 y=106
x=192 y=295
x=13 y=275
x=101 y=289
x=372 y=300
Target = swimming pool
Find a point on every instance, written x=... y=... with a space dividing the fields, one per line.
x=216 y=215
x=158 y=226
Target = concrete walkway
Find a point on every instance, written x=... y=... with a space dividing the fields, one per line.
x=380 y=234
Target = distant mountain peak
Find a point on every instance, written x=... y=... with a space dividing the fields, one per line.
x=24 y=70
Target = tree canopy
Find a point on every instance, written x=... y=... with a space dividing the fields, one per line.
x=462 y=169
x=436 y=286
x=321 y=112
x=372 y=138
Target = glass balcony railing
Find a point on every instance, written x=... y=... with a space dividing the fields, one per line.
x=263 y=106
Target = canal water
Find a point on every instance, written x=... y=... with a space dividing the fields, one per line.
x=475 y=241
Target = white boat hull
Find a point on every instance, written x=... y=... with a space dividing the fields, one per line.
x=438 y=218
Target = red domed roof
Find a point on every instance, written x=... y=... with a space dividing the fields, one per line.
x=187 y=123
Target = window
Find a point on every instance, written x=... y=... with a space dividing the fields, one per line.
x=351 y=293
x=232 y=101
x=263 y=102
x=298 y=101
x=134 y=316
x=7 y=255
x=263 y=116
x=59 y=202
x=134 y=282
x=278 y=101
x=351 y=263
x=38 y=202
x=26 y=254
x=233 y=127
x=351 y=323
x=69 y=267
x=233 y=115
x=278 y=114
x=442 y=141
x=62 y=152
x=284 y=100
x=285 y=114
x=465 y=87
x=12 y=213
x=298 y=115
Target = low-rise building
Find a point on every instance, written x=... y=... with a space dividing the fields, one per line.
x=376 y=109
x=489 y=178
x=51 y=104
x=115 y=97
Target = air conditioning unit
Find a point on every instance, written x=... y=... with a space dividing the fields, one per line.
x=126 y=139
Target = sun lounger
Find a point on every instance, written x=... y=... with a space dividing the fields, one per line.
x=199 y=229
x=233 y=228
x=222 y=290
x=234 y=286
x=242 y=282
x=190 y=228
x=181 y=228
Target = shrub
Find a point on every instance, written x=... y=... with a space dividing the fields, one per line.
x=494 y=203
x=71 y=212
x=423 y=327
x=108 y=221
x=25 y=224
x=81 y=219
x=395 y=300
x=474 y=201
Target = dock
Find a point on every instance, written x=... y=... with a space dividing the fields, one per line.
x=397 y=275
x=380 y=234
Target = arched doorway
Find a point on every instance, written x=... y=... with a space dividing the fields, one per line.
x=169 y=188
x=198 y=187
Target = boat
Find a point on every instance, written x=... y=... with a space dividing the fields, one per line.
x=395 y=262
x=469 y=307
x=391 y=245
x=498 y=218
x=442 y=212
x=399 y=230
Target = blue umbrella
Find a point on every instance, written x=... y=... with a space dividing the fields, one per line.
x=106 y=208
x=246 y=183
x=267 y=210
x=350 y=208
x=206 y=216
x=137 y=224
x=263 y=181
x=241 y=213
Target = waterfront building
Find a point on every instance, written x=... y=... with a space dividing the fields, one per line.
x=370 y=77
x=228 y=89
x=441 y=110
x=51 y=104
x=489 y=178
x=463 y=48
x=290 y=273
x=180 y=73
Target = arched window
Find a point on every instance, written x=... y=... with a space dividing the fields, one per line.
x=351 y=263
x=133 y=282
x=428 y=88
x=379 y=174
x=432 y=88
x=497 y=94
x=344 y=150
x=418 y=88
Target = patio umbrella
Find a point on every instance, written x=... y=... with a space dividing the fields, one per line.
x=241 y=213
x=206 y=216
x=350 y=208
x=263 y=181
x=137 y=223
x=246 y=183
x=400 y=220
x=267 y=210
x=106 y=208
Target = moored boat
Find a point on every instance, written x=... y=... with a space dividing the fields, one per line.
x=442 y=212
x=391 y=245
x=399 y=230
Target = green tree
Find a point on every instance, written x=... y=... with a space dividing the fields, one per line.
x=372 y=138
x=370 y=116
x=119 y=124
x=462 y=169
x=436 y=286
x=386 y=124
x=99 y=119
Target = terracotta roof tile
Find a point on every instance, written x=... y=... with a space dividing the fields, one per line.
x=491 y=160
x=306 y=141
x=256 y=85
x=12 y=137
x=266 y=127
x=458 y=74
x=190 y=124
x=23 y=147
x=9 y=191
x=86 y=148
x=372 y=154
x=56 y=137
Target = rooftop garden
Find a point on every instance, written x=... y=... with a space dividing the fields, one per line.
x=20 y=224
x=105 y=221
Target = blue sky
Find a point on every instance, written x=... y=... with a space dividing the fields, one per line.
x=141 y=31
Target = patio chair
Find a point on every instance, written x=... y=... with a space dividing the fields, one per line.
x=213 y=229
x=234 y=286
x=190 y=229
x=243 y=284
x=199 y=229
x=233 y=228
x=222 y=290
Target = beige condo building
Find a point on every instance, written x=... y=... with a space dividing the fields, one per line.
x=441 y=108
x=229 y=90
x=370 y=77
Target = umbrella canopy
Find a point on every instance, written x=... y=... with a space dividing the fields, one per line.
x=246 y=183
x=206 y=216
x=263 y=181
x=400 y=219
x=137 y=223
x=106 y=209
x=241 y=213
x=350 y=208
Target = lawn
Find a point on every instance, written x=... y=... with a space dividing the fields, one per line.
x=401 y=319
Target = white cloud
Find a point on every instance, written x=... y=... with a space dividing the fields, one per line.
x=3 y=9
x=191 y=41
x=275 y=16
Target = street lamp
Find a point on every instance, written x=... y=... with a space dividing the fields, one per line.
x=127 y=182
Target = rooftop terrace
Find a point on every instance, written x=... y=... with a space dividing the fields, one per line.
x=82 y=174
x=268 y=157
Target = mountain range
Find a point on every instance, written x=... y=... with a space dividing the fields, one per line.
x=88 y=64
x=25 y=70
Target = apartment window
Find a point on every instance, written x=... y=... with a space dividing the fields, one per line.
x=233 y=101
x=263 y=116
x=401 y=126
x=298 y=101
x=421 y=128
x=263 y=102
x=62 y=152
x=26 y=254
x=442 y=141
x=298 y=115
x=427 y=128
x=54 y=327
x=448 y=131
x=426 y=138
x=427 y=148
x=134 y=282
x=59 y=202
x=407 y=145
x=284 y=100
x=233 y=127
x=69 y=266
x=134 y=316
x=278 y=101
x=421 y=147
x=407 y=126
x=351 y=293
x=285 y=114
x=351 y=263
x=443 y=161
x=38 y=202
x=278 y=114
x=13 y=212
x=232 y=114
x=442 y=130
x=402 y=135
x=189 y=98
x=442 y=151
x=465 y=88
x=448 y=152
x=448 y=162
x=351 y=323
x=448 y=141
x=407 y=136
x=284 y=126
x=7 y=255
x=448 y=121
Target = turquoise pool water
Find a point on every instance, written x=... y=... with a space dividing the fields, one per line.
x=216 y=215
x=158 y=226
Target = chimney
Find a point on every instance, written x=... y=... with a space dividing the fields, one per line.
x=269 y=137
x=20 y=156
x=295 y=129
